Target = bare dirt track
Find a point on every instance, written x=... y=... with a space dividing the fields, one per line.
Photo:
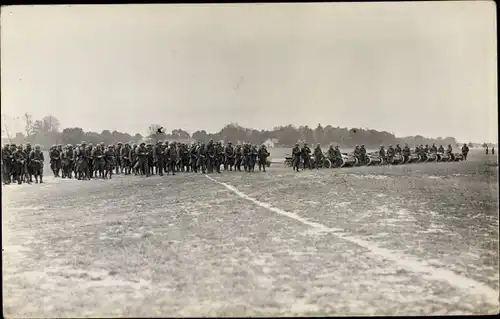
x=405 y=240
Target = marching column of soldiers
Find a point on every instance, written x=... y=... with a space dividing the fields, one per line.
x=87 y=161
x=302 y=156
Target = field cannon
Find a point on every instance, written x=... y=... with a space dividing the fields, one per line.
x=325 y=163
x=432 y=157
x=458 y=157
x=413 y=158
x=443 y=157
x=348 y=160
x=396 y=159
x=373 y=159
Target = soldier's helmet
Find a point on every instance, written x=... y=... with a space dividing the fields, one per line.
x=13 y=145
x=28 y=144
x=381 y=146
x=120 y=143
x=318 y=144
x=362 y=145
x=54 y=146
x=59 y=145
x=296 y=144
x=229 y=143
x=111 y=146
x=102 y=143
x=20 y=147
x=70 y=146
x=142 y=144
x=37 y=147
x=465 y=144
x=337 y=146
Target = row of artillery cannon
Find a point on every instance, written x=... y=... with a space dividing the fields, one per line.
x=374 y=159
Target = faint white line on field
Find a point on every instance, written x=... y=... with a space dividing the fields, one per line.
x=408 y=262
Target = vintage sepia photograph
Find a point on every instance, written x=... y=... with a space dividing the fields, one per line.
x=249 y=160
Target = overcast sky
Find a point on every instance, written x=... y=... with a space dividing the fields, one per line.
x=407 y=68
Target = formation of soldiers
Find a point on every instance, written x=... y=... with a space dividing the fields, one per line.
x=305 y=158
x=87 y=161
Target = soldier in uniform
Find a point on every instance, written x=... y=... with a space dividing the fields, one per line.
x=125 y=158
x=331 y=155
x=54 y=156
x=193 y=158
x=296 y=154
x=59 y=160
x=465 y=151
x=362 y=155
x=118 y=158
x=306 y=156
x=397 y=150
x=110 y=161
x=229 y=157
x=486 y=149
x=238 y=157
x=172 y=154
x=441 y=149
x=254 y=154
x=67 y=158
x=356 y=153
x=263 y=154
x=7 y=158
x=493 y=150
x=433 y=148
x=219 y=156
x=381 y=154
x=202 y=155
x=406 y=153
x=210 y=157
x=99 y=161
x=426 y=148
x=390 y=154
x=318 y=156
x=37 y=160
x=141 y=153
x=151 y=159
x=27 y=165
x=159 y=158
x=133 y=159
x=245 y=156
x=90 y=161
x=423 y=152
x=449 y=150
x=19 y=162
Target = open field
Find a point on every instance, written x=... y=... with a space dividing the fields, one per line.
x=391 y=240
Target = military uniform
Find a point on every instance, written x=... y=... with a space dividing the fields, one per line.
x=7 y=159
x=318 y=156
x=306 y=156
x=37 y=160
x=406 y=153
x=263 y=154
x=202 y=154
x=19 y=161
x=465 y=151
x=296 y=157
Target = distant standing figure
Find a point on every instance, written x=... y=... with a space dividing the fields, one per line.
x=465 y=151
x=486 y=150
x=493 y=150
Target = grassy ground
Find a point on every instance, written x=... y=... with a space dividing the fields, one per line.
x=403 y=240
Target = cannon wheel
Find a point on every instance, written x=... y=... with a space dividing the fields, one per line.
x=327 y=163
x=368 y=162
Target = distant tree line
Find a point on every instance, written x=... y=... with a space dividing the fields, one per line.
x=46 y=132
